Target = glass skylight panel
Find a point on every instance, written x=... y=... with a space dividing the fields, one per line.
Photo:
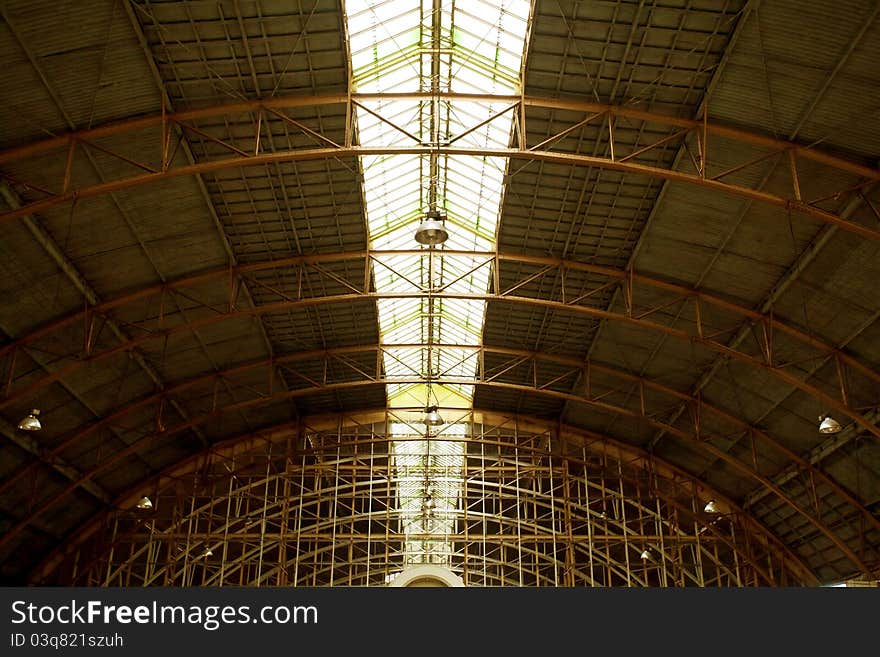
x=403 y=47
x=429 y=475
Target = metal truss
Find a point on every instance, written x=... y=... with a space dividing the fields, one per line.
x=814 y=495
x=540 y=505
x=45 y=174
x=708 y=165
x=779 y=349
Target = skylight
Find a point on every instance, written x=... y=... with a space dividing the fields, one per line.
x=435 y=49
x=429 y=475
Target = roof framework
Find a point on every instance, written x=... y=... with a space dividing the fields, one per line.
x=681 y=260
x=268 y=526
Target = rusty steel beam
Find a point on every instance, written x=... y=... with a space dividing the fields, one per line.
x=815 y=457
x=550 y=263
x=68 y=144
x=584 y=369
x=640 y=415
x=571 y=159
x=188 y=154
x=61 y=142
x=238 y=530
x=594 y=442
x=783 y=284
x=60 y=466
x=628 y=279
x=323 y=535
x=68 y=268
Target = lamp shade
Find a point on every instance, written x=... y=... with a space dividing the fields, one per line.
x=31 y=422
x=145 y=503
x=431 y=231
x=829 y=425
x=432 y=416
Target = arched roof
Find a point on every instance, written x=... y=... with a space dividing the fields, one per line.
x=685 y=257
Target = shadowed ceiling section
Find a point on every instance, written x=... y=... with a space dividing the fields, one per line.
x=662 y=224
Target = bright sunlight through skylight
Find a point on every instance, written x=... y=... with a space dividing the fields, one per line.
x=434 y=51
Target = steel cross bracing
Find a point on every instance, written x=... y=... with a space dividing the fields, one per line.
x=153 y=330
x=515 y=534
x=605 y=388
x=776 y=347
x=608 y=500
x=317 y=265
x=45 y=173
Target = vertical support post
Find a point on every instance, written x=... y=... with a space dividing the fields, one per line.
x=517 y=484
x=164 y=137
x=841 y=379
x=664 y=580
x=113 y=535
x=611 y=135
x=68 y=167
x=698 y=316
x=299 y=515
x=225 y=555
x=623 y=524
x=369 y=506
x=699 y=547
x=569 y=548
x=258 y=131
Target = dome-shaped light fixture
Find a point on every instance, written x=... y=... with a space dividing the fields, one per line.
x=432 y=416
x=31 y=421
x=144 y=503
x=710 y=507
x=646 y=554
x=828 y=425
x=431 y=231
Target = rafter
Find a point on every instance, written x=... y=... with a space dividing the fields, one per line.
x=696 y=436
x=769 y=328
x=535 y=362
x=591 y=443
x=66 y=147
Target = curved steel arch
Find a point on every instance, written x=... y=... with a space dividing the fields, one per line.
x=512 y=522
x=505 y=581
x=586 y=369
x=588 y=441
x=312 y=263
x=495 y=578
x=738 y=465
x=641 y=415
x=170 y=534
x=66 y=146
x=619 y=568
x=540 y=500
x=481 y=559
x=767 y=323
x=776 y=371
x=604 y=558
x=240 y=560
